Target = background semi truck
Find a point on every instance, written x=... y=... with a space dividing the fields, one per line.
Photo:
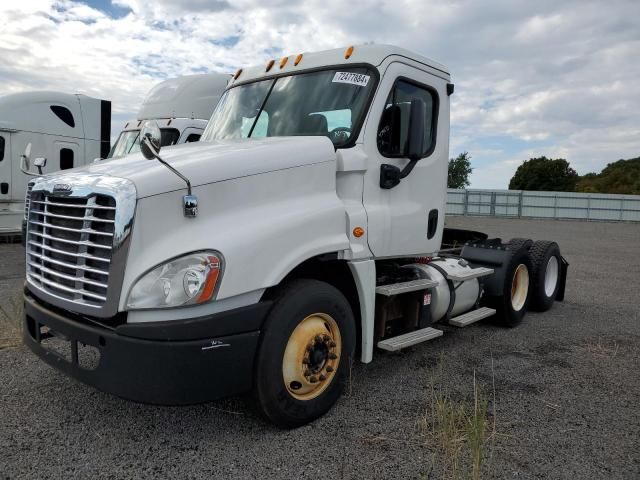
x=68 y=130
x=304 y=230
x=181 y=106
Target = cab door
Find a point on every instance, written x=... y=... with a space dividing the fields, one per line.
x=408 y=218
x=5 y=165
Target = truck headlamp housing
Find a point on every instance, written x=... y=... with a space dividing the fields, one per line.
x=187 y=280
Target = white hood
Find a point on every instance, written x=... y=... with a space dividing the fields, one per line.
x=203 y=163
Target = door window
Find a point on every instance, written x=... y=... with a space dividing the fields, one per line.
x=66 y=158
x=1 y=148
x=393 y=130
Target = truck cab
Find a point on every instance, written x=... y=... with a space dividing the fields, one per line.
x=181 y=106
x=303 y=231
x=69 y=130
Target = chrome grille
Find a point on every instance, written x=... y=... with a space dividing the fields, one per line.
x=27 y=198
x=69 y=245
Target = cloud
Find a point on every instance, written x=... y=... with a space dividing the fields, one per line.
x=532 y=78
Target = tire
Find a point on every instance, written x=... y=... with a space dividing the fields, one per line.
x=545 y=278
x=511 y=306
x=517 y=243
x=290 y=392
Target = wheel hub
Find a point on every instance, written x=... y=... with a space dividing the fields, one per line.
x=312 y=356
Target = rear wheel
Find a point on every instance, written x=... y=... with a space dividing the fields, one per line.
x=305 y=353
x=545 y=277
x=511 y=306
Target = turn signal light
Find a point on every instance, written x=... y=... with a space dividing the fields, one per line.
x=284 y=61
x=269 y=65
x=348 y=52
x=298 y=60
x=358 y=232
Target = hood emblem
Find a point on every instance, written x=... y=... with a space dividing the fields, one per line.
x=63 y=188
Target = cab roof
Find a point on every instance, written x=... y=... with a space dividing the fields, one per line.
x=372 y=54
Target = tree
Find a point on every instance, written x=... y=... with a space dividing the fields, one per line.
x=459 y=171
x=545 y=174
x=622 y=176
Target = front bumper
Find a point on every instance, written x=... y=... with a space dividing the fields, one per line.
x=168 y=367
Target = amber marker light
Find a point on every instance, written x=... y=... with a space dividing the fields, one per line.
x=348 y=52
x=298 y=60
x=358 y=232
x=269 y=65
x=235 y=77
x=284 y=61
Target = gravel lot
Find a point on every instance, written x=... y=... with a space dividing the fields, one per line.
x=567 y=386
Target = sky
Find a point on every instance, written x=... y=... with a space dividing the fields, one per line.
x=555 y=78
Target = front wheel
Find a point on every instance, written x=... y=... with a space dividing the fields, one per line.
x=305 y=353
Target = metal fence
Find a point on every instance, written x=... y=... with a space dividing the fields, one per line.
x=560 y=205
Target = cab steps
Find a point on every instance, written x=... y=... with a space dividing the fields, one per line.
x=408 y=339
x=472 y=317
x=405 y=287
x=468 y=274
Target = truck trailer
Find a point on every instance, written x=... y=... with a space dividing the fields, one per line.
x=304 y=231
x=68 y=130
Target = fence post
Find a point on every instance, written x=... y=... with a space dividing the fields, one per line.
x=520 y=204
x=588 y=206
x=466 y=202
x=555 y=206
x=492 y=207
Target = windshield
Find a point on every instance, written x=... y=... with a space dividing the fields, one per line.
x=129 y=141
x=327 y=103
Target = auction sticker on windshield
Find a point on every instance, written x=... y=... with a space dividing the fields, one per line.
x=352 y=78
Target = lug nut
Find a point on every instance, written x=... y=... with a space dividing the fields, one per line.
x=322 y=377
x=332 y=356
x=318 y=338
x=326 y=338
x=332 y=344
x=305 y=361
x=329 y=369
x=313 y=379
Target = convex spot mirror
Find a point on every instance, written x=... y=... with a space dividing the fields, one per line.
x=150 y=140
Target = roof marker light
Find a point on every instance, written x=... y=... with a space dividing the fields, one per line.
x=348 y=52
x=284 y=61
x=298 y=60
x=269 y=65
x=235 y=77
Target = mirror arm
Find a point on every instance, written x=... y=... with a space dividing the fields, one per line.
x=155 y=154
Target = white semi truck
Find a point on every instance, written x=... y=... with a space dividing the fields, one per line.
x=66 y=129
x=181 y=106
x=304 y=230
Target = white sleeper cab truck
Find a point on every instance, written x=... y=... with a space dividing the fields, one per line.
x=64 y=131
x=304 y=230
x=181 y=107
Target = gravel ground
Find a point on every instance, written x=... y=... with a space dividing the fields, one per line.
x=566 y=387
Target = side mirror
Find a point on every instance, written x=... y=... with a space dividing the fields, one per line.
x=415 y=139
x=390 y=175
x=25 y=162
x=150 y=140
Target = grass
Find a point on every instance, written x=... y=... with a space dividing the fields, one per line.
x=11 y=313
x=457 y=430
x=602 y=348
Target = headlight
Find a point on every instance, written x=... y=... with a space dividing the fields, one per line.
x=186 y=280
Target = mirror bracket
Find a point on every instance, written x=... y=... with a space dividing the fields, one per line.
x=390 y=175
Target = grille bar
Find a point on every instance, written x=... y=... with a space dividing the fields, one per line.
x=68 y=265
x=66 y=229
x=59 y=286
x=71 y=254
x=67 y=217
x=72 y=242
x=48 y=271
x=70 y=205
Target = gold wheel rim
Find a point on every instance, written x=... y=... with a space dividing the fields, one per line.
x=519 y=287
x=312 y=356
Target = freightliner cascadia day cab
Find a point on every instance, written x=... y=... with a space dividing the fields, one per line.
x=181 y=106
x=304 y=230
x=68 y=130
